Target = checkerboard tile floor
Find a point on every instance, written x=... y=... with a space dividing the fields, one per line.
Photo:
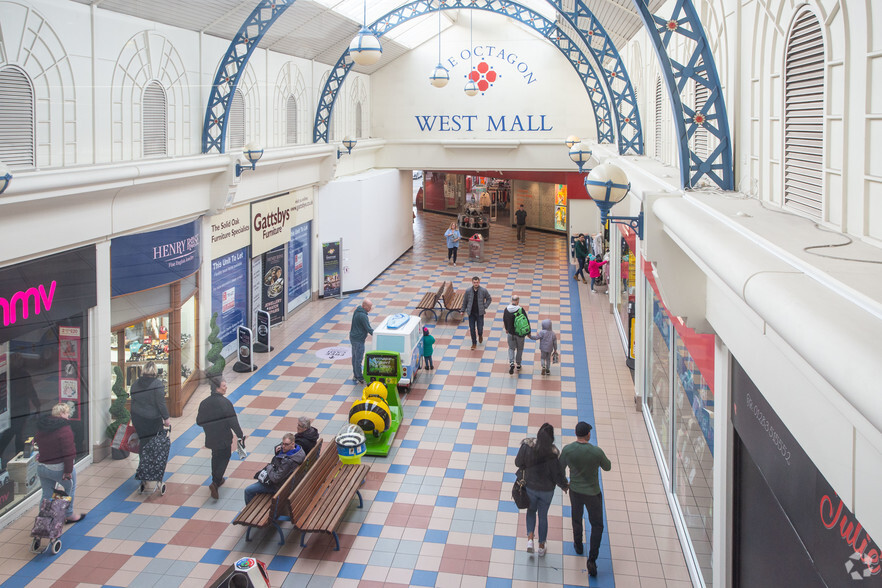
x=437 y=509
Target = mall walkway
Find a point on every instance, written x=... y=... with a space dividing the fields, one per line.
x=438 y=510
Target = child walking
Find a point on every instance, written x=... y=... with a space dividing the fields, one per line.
x=428 y=348
x=547 y=345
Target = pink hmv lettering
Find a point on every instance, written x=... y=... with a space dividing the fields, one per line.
x=37 y=298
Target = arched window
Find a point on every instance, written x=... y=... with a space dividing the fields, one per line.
x=236 y=123
x=804 y=116
x=658 y=118
x=291 y=122
x=16 y=118
x=358 y=124
x=154 y=120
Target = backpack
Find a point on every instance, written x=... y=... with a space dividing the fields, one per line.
x=521 y=323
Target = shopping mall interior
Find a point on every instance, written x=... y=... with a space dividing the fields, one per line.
x=212 y=189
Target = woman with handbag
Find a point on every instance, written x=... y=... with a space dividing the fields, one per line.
x=542 y=472
x=55 y=462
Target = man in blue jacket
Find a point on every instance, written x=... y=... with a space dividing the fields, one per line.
x=361 y=328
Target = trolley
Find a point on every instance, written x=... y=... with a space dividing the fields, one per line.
x=49 y=523
x=154 y=459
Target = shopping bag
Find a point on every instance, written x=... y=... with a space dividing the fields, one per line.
x=126 y=439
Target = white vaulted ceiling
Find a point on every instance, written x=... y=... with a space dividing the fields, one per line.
x=322 y=29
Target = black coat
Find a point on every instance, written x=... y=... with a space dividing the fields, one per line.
x=148 y=399
x=540 y=474
x=307 y=439
x=218 y=418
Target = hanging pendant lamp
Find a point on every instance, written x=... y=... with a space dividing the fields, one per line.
x=365 y=48
x=471 y=88
x=439 y=76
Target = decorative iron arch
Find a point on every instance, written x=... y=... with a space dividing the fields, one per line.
x=701 y=68
x=214 y=129
x=612 y=67
x=524 y=15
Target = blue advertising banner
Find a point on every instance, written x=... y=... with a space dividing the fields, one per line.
x=147 y=260
x=229 y=295
x=299 y=255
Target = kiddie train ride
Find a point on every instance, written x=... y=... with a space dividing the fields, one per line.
x=378 y=411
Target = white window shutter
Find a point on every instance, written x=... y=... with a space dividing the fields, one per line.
x=16 y=119
x=658 y=118
x=291 y=112
x=154 y=121
x=804 y=116
x=236 y=122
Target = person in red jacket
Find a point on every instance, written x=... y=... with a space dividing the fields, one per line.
x=56 y=458
x=594 y=269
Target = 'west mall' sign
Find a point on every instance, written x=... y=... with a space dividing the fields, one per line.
x=470 y=123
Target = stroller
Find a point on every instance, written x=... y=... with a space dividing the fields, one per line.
x=154 y=459
x=49 y=523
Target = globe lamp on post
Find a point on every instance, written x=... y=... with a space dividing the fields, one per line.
x=580 y=153
x=252 y=152
x=608 y=185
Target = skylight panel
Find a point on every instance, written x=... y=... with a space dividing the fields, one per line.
x=417 y=31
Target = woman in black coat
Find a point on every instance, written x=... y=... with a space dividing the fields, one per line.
x=149 y=409
x=542 y=472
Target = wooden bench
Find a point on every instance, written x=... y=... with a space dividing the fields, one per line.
x=319 y=502
x=452 y=300
x=270 y=509
x=431 y=302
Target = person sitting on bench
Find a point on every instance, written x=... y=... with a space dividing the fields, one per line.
x=288 y=456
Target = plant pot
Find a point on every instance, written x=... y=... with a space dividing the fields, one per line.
x=118 y=453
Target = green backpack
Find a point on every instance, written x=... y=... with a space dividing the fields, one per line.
x=521 y=323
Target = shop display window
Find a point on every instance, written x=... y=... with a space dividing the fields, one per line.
x=136 y=344
x=38 y=370
x=657 y=398
x=188 y=342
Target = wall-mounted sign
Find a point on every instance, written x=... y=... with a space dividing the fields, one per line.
x=299 y=265
x=271 y=222
x=229 y=295
x=272 y=284
x=230 y=231
x=69 y=369
x=331 y=269
x=147 y=260
x=38 y=293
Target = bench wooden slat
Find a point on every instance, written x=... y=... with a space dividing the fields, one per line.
x=452 y=300
x=267 y=509
x=431 y=300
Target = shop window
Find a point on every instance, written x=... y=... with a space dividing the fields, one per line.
x=16 y=118
x=291 y=122
x=657 y=397
x=154 y=120
x=39 y=369
x=804 y=116
x=188 y=343
x=236 y=122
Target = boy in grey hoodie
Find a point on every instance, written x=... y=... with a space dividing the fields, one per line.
x=547 y=344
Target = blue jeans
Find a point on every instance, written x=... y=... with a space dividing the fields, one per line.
x=540 y=500
x=476 y=321
x=49 y=475
x=357 y=357
x=580 y=271
x=255 y=489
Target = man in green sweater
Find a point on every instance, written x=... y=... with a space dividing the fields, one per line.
x=361 y=328
x=583 y=459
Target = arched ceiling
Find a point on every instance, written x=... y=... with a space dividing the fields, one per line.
x=322 y=29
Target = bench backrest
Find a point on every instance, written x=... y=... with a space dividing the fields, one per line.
x=280 y=504
x=310 y=488
x=449 y=295
x=441 y=289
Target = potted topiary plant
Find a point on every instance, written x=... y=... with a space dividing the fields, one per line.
x=214 y=359
x=118 y=411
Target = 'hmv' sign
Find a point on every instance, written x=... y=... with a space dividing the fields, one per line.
x=39 y=293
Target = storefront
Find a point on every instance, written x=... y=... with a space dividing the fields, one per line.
x=624 y=293
x=155 y=308
x=788 y=522
x=230 y=255
x=678 y=406
x=544 y=202
x=444 y=192
x=44 y=344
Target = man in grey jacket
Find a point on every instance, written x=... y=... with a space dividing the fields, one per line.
x=474 y=304
x=358 y=332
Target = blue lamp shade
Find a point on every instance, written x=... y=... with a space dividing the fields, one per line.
x=365 y=48
x=5 y=177
x=580 y=153
x=471 y=88
x=439 y=76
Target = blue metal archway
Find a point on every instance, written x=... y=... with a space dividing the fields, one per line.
x=615 y=75
x=699 y=67
x=547 y=28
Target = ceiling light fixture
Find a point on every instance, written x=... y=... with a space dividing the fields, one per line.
x=439 y=76
x=471 y=88
x=365 y=48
